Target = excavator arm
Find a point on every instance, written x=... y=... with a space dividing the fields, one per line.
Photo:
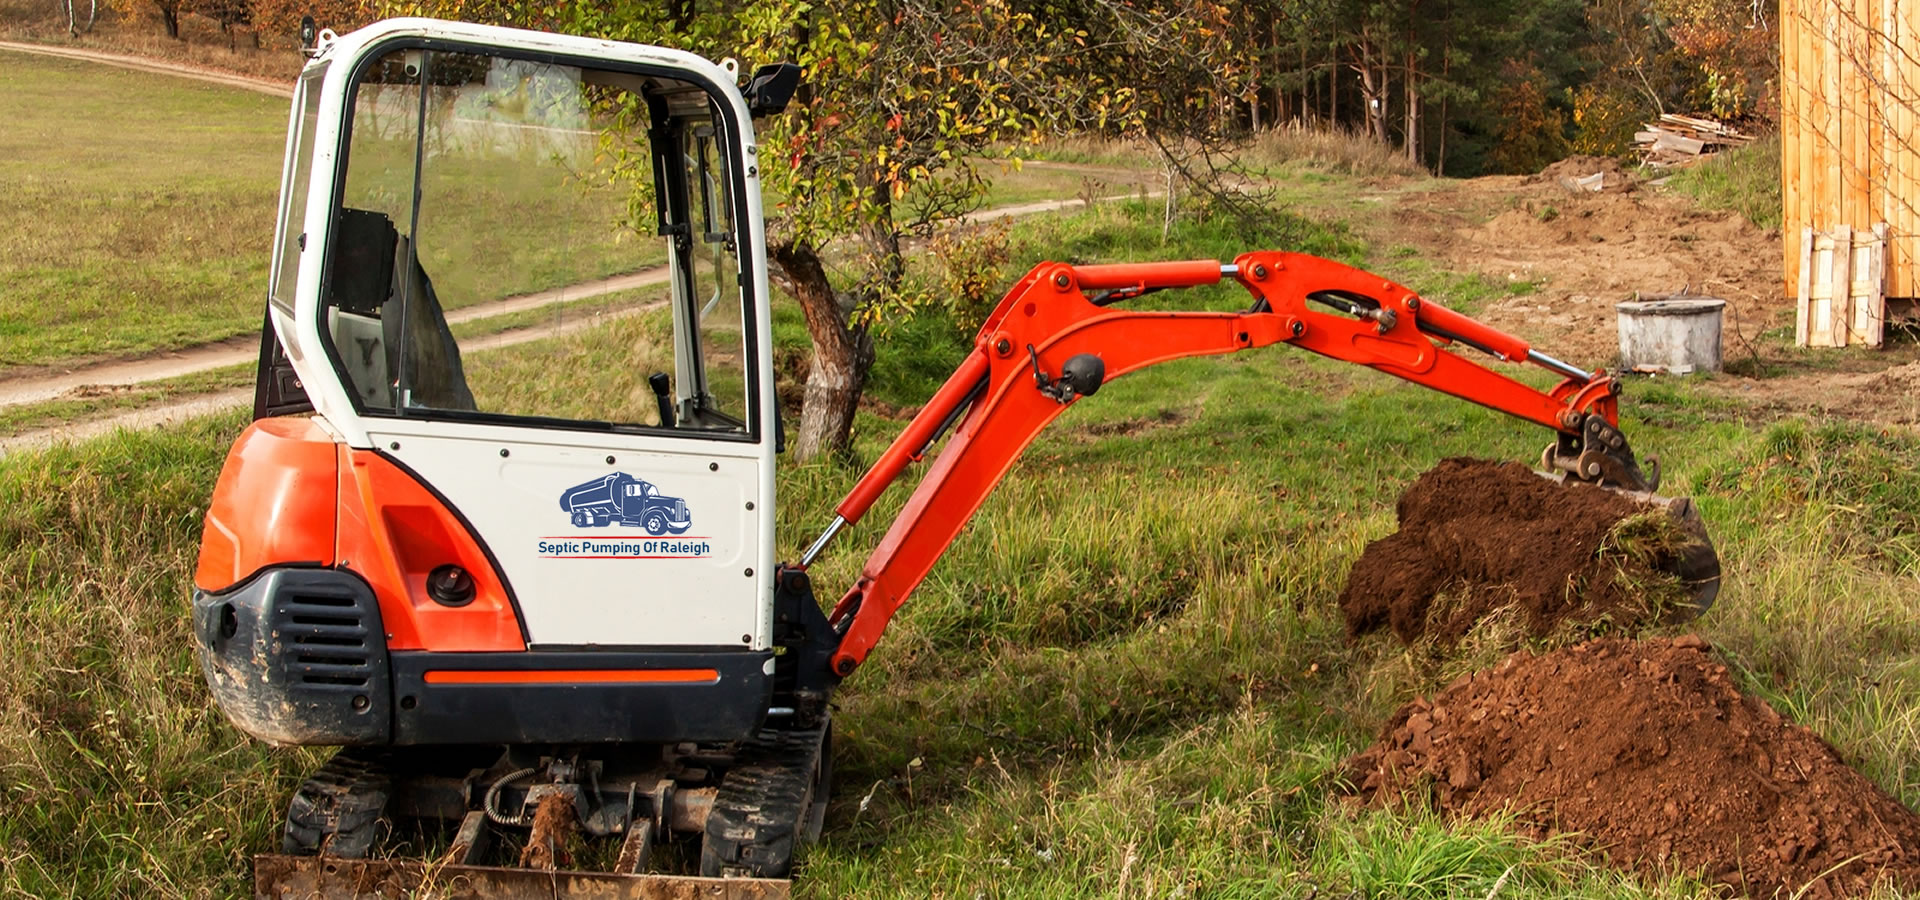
x=1055 y=338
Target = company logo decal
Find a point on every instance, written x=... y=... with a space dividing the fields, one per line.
x=620 y=499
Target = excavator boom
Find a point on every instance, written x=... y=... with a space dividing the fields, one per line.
x=1055 y=338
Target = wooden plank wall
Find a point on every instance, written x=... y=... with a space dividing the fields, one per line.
x=1849 y=154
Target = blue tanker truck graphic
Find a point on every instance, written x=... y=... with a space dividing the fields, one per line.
x=626 y=500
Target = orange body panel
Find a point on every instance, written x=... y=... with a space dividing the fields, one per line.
x=393 y=531
x=291 y=495
x=274 y=503
x=573 y=676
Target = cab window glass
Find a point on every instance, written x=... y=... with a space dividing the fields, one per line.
x=487 y=257
x=715 y=274
x=294 y=185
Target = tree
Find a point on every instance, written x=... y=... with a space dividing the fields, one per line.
x=278 y=21
x=228 y=13
x=74 y=28
x=169 y=16
x=1532 y=133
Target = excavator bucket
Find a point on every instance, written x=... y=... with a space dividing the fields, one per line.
x=1696 y=565
x=314 y=877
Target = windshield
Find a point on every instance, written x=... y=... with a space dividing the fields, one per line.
x=491 y=228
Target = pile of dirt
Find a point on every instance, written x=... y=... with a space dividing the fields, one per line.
x=1614 y=176
x=1657 y=761
x=1478 y=537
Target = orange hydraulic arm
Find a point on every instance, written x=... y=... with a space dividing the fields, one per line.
x=1049 y=343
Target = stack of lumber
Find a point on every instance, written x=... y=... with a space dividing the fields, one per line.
x=1680 y=140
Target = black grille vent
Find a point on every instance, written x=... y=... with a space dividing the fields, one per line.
x=325 y=637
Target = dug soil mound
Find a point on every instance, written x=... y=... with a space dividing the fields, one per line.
x=1479 y=538
x=1657 y=761
x=1614 y=174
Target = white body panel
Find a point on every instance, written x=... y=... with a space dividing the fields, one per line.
x=611 y=584
x=722 y=597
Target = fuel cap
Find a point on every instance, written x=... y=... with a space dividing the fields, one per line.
x=450 y=585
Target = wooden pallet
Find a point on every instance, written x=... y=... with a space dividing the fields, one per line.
x=1843 y=279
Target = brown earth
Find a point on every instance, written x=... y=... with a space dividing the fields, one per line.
x=1650 y=754
x=1587 y=251
x=1614 y=176
x=1864 y=386
x=1570 y=256
x=1479 y=537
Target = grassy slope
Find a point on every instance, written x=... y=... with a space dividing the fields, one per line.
x=1126 y=679
x=1746 y=180
x=138 y=210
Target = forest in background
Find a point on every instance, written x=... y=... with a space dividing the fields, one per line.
x=1462 y=87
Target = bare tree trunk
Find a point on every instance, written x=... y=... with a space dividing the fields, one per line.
x=842 y=355
x=1333 y=93
x=1166 y=221
x=1372 y=91
x=1413 y=114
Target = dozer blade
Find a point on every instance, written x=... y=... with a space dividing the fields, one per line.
x=1697 y=565
x=277 y=877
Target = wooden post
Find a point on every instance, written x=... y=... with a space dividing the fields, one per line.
x=1803 y=310
x=1840 y=315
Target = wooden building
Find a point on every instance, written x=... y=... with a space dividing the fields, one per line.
x=1850 y=163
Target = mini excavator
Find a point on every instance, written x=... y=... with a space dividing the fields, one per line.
x=531 y=628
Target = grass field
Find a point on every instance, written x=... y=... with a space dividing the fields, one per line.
x=138 y=211
x=155 y=233
x=1127 y=679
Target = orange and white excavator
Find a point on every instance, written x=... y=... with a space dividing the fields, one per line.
x=527 y=626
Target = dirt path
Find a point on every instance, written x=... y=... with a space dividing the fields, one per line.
x=245 y=348
x=144 y=64
x=239 y=350
x=174 y=411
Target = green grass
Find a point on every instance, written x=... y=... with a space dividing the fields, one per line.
x=1745 y=180
x=1126 y=679
x=156 y=233
x=1010 y=185
x=148 y=234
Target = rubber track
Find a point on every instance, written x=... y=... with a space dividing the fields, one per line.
x=762 y=802
x=337 y=810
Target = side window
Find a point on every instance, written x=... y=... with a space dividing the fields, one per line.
x=720 y=385
x=294 y=184
x=485 y=261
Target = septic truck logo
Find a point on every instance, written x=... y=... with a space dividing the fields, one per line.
x=621 y=499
